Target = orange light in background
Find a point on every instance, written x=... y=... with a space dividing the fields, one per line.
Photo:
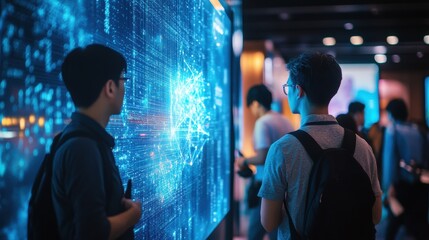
x=32 y=119
x=295 y=119
x=22 y=123
x=6 y=121
x=14 y=121
x=252 y=61
x=251 y=64
x=217 y=5
x=41 y=121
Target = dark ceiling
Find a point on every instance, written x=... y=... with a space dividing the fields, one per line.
x=298 y=26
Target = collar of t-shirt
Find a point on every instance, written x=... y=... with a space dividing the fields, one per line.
x=318 y=119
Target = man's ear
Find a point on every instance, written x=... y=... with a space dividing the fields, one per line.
x=109 y=88
x=300 y=91
x=256 y=103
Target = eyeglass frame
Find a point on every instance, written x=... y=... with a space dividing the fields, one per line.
x=287 y=85
x=124 y=78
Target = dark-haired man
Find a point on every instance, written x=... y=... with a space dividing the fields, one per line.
x=407 y=197
x=356 y=110
x=269 y=127
x=87 y=190
x=314 y=79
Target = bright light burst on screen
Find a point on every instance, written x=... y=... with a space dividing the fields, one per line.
x=189 y=116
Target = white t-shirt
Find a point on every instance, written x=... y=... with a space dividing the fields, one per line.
x=288 y=166
x=268 y=129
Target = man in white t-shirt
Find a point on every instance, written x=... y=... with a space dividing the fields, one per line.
x=269 y=127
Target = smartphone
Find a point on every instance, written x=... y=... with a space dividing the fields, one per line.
x=128 y=190
x=238 y=153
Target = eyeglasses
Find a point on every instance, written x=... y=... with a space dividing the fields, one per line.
x=124 y=78
x=286 y=88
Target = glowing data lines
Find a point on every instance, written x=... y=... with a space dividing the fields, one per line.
x=190 y=117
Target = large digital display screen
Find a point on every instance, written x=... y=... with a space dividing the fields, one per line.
x=359 y=83
x=173 y=135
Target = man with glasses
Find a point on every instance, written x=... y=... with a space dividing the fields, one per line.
x=314 y=79
x=87 y=190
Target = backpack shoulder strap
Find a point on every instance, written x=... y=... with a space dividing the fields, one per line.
x=48 y=161
x=349 y=141
x=311 y=146
x=100 y=146
x=45 y=167
x=66 y=136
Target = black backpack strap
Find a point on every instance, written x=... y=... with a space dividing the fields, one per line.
x=349 y=141
x=310 y=145
x=66 y=136
x=314 y=150
x=104 y=157
x=46 y=166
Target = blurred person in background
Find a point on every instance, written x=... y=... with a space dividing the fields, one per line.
x=356 y=110
x=406 y=196
x=269 y=127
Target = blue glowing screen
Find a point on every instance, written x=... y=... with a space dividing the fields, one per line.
x=173 y=135
x=359 y=83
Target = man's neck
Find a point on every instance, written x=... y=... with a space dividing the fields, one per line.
x=311 y=109
x=96 y=115
x=262 y=112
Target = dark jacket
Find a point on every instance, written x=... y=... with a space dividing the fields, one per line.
x=86 y=185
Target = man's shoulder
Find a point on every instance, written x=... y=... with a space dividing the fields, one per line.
x=287 y=143
x=76 y=142
x=362 y=144
x=77 y=136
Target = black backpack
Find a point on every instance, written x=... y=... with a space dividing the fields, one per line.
x=42 y=222
x=339 y=194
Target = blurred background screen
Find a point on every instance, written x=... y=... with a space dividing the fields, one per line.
x=360 y=83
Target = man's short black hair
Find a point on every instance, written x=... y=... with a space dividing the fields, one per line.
x=398 y=109
x=356 y=107
x=86 y=70
x=261 y=94
x=318 y=74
